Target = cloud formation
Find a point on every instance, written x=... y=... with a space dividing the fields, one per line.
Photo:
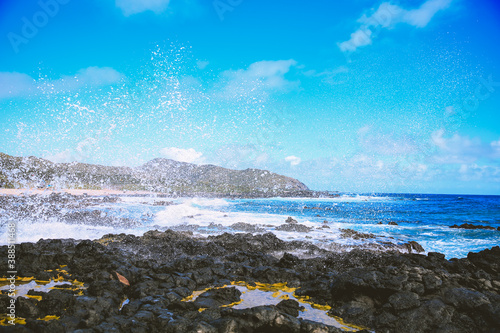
x=13 y=84
x=83 y=151
x=131 y=7
x=376 y=142
x=293 y=160
x=183 y=155
x=260 y=77
x=459 y=149
x=386 y=17
x=330 y=76
x=90 y=76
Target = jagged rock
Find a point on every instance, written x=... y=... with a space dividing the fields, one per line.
x=414 y=246
x=349 y=233
x=384 y=291
x=293 y=228
x=472 y=226
x=290 y=307
x=215 y=298
x=246 y=227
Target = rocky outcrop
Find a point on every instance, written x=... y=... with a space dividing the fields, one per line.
x=386 y=292
x=473 y=227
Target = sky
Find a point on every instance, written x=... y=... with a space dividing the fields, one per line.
x=358 y=96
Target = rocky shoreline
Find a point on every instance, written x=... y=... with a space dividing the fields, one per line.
x=158 y=272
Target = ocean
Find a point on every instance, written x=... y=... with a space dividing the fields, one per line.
x=423 y=218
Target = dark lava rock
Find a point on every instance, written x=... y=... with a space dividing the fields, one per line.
x=293 y=228
x=290 y=307
x=246 y=227
x=349 y=233
x=267 y=319
x=392 y=223
x=291 y=220
x=404 y=300
x=488 y=260
x=414 y=246
x=384 y=291
x=216 y=297
x=472 y=226
x=463 y=298
x=288 y=260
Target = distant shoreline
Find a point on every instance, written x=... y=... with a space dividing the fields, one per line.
x=36 y=191
x=33 y=191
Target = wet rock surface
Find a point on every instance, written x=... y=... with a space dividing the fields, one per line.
x=349 y=233
x=473 y=226
x=384 y=291
x=216 y=297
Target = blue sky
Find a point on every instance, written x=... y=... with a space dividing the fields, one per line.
x=363 y=96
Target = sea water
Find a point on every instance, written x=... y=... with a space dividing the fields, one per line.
x=423 y=218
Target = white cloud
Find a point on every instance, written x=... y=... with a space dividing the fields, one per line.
x=260 y=77
x=374 y=142
x=183 y=155
x=361 y=172
x=459 y=149
x=475 y=173
x=294 y=160
x=130 y=7
x=387 y=16
x=421 y=17
x=13 y=84
x=334 y=76
x=495 y=146
x=65 y=156
x=202 y=64
x=90 y=76
x=83 y=151
x=360 y=37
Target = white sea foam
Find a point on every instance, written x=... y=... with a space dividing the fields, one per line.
x=28 y=231
x=205 y=211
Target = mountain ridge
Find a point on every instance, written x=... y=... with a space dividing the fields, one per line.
x=158 y=175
